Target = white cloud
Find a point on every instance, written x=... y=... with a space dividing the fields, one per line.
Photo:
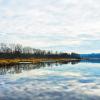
x=73 y=21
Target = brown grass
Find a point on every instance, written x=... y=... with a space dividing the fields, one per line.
x=32 y=60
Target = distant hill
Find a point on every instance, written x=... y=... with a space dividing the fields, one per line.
x=92 y=55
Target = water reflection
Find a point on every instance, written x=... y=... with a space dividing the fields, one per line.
x=19 y=68
x=50 y=81
x=91 y=61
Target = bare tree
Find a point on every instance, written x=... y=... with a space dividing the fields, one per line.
x=18 y=48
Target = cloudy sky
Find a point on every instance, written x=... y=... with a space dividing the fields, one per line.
x=63 y=25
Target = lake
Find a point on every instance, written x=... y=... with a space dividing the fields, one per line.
x=50 y=81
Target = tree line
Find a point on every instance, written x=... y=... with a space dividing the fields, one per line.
x=19 y=51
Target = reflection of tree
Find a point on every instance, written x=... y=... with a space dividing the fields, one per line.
x=75 y=62
x=19 y=68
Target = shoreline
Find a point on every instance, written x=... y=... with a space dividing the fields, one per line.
x=33 y=60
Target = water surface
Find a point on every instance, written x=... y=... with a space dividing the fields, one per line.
x=50 y=81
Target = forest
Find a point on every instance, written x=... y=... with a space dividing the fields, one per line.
x=10 y=51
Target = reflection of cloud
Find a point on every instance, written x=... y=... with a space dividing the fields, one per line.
x=49 y=85
x=93 y=92
x=39 y=72
x=29 y=88
x=70 y=74
x=65 y=82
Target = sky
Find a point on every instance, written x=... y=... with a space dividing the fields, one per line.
x=62 y=25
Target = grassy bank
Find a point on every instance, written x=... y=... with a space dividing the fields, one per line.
x=32 y=60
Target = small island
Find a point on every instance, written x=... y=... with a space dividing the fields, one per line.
x=16 y=53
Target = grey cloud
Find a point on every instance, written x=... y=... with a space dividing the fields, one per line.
x=50 y=20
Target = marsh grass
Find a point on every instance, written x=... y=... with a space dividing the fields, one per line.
x=32 y=60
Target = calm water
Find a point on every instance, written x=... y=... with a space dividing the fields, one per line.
x=50 y=81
